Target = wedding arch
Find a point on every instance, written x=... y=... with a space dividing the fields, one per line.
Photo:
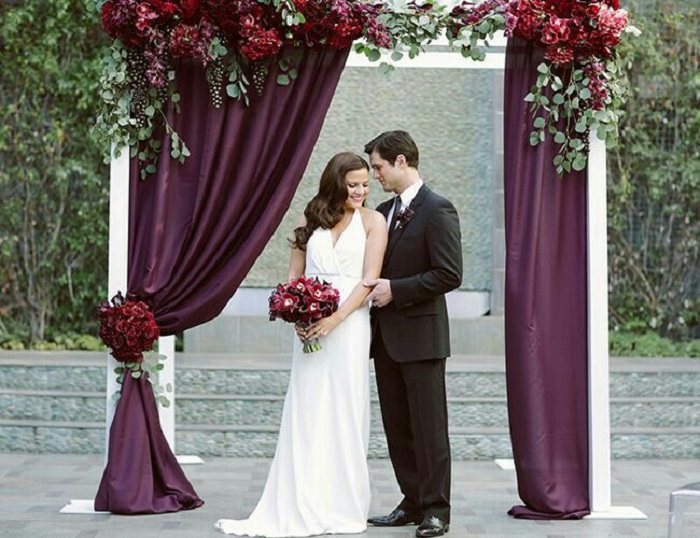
x=198 y=93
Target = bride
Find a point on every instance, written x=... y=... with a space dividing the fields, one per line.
x=319 y=480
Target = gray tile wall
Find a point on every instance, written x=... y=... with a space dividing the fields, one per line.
x=453 y=116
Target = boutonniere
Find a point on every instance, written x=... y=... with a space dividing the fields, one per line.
x=404 y=217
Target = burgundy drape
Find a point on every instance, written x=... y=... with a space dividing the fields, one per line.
x=195 y=230
x=142 y=476
x=545 y=311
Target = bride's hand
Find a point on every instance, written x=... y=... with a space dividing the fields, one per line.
x=322 y=327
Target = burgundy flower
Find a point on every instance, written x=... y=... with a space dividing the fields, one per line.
x=555 y=30
x=261 y=44
x=119 y=20
x=127 y=327
x=303 y=300
x=344 y=33
x=404 y=217
x=559 y=54
x=184 y=40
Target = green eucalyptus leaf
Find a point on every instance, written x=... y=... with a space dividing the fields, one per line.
x=579 y=162
x=373 y=54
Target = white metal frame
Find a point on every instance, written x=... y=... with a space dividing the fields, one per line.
x=599 y=397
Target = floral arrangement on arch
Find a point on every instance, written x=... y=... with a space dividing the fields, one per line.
x=128 y=328
x=578 y=89
x=237 y=41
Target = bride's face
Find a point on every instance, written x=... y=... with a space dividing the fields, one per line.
x=357 y=182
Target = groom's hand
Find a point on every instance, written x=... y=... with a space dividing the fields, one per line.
x=381 y=294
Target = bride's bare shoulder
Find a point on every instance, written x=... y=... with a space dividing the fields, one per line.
x=371 y=218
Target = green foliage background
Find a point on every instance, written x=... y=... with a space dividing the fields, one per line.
x=54 y=185
x=654 y=178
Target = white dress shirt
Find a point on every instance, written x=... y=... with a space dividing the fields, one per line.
x=407 y=197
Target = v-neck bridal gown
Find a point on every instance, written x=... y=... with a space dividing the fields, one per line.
x=319 y=481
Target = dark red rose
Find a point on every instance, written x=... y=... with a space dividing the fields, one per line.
x=559 y=54
x=183 y=41
x=119 y=20
x=345 y=33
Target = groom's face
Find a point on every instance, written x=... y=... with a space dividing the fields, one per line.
x=389 y=175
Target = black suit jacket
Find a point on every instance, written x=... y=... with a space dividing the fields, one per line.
x=423 y=261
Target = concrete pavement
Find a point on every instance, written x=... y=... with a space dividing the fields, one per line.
x=34 y=487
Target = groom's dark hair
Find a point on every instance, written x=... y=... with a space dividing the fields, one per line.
x=391 y=144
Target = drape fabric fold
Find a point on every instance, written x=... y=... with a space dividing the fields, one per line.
x=545 y=311
x=142 y=475
x=195 y=230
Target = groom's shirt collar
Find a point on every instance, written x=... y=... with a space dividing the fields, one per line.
x=410 y=193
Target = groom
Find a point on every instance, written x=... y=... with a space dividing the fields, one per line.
x=410 y=333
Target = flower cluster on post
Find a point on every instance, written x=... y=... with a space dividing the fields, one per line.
x=128 y=328
x=578 y=87
x=303 y=301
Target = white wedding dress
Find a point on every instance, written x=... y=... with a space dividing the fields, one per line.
x=319 y=480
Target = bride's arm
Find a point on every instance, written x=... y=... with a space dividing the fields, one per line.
x=297 y=260
x=377 y=237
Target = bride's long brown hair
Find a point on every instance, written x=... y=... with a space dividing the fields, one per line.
x=326 y=209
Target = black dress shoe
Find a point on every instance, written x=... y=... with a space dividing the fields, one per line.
x=398 y=518
x=432 y=526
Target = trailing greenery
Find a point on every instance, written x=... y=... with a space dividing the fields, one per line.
x=654 y=180
x=53 y=185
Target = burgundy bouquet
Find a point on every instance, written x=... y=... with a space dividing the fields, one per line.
x=303 y=301
x=127 y=327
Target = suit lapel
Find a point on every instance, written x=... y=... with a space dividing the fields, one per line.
x=396 y=235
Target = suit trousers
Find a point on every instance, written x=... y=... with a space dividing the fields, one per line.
x=413 y=402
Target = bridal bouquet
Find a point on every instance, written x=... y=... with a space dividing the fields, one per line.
x=303 y=301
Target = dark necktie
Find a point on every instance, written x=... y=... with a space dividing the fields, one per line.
x=395 y=216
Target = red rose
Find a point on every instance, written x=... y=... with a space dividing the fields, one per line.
x=183 y=41
x=119 y=20
x=345 y=33
x=559 y=54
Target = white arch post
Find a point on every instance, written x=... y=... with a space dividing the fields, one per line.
x=117 y=278
x=598 y=359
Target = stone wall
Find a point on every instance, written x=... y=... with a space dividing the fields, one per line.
x=452 y=115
